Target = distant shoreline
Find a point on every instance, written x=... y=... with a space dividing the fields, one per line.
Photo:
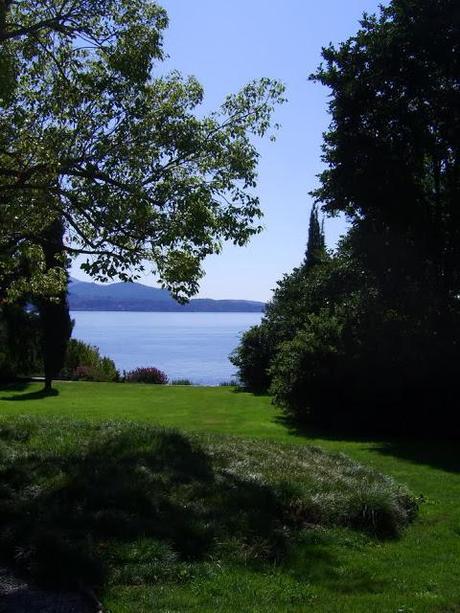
x=135 y=297
x=150 y=310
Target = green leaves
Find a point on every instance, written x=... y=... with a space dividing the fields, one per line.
x=139 y=177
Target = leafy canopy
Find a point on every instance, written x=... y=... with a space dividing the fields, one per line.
x=391 y=152
x=93 y=134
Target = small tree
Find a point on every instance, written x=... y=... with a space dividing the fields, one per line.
x=253 y=357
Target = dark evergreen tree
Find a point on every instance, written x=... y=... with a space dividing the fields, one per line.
x=371 y=337
x=392 y=149
x=316 y=244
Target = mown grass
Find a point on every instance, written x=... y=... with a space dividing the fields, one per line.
x=330 y=568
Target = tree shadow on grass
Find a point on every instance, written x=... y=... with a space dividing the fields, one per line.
x=326 y=572
x=135 y=503
x=36 y=395
x=442 y=454
x=312 y=432
x=18 y=385
x=239 y=389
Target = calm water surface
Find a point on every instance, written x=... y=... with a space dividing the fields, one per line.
x=193 y=346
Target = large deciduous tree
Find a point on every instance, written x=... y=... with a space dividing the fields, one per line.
x=92 y=134
x=103 y=156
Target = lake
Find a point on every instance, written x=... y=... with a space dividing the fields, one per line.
x=191 y=346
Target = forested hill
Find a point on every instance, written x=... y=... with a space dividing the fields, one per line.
x=84 y=296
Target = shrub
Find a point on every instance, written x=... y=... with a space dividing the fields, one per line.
x=84 y=373
x=181 y=382
x=296 y=295
x=147 y=374
x=305 y=373
x=252 y=358
x=84 y=362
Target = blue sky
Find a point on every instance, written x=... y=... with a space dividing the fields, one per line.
x=226 y=43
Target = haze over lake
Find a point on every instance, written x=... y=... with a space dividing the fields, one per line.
x=194 y=346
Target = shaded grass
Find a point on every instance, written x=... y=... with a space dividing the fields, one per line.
x=334 y=569
x=39 y=394
x=129 y=504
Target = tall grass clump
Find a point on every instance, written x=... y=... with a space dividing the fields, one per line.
x=122 y=503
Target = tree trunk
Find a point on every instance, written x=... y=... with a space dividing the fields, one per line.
x=55 y=320
x=48 y=384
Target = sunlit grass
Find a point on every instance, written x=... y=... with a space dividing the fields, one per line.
x=330 y=569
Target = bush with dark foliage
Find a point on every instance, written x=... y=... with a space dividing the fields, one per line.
x=146 y=374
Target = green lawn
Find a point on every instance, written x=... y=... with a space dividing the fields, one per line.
x=332 y=570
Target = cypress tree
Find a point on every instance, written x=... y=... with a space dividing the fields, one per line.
x=316 y=244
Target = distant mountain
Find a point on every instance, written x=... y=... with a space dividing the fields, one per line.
x=84 y=296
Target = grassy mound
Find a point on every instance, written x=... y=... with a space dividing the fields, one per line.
x=131 y=504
